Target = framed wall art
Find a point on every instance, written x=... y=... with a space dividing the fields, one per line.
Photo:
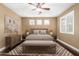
x=10 y=25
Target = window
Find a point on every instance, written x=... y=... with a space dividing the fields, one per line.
x=67 y=23
x=38 y=22
x=62 y=25
x=46 y=22
x=32 y=22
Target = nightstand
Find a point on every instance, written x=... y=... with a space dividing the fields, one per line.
x=54 y=36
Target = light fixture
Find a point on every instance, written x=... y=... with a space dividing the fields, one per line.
x=51 y=33
x=39 y=10
x=44 y=6
x=39 y=7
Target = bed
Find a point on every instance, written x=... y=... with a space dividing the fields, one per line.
x=39 y=41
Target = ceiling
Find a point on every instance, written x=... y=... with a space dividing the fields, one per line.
x=25 y=10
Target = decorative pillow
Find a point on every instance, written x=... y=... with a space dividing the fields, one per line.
x=43 y=31
x=35 y=31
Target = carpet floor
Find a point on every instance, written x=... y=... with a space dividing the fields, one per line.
x=60 y=51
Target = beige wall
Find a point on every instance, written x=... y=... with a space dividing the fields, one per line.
x=52 y=26
x=4 y=11
x=1 y=30
x=69 y=38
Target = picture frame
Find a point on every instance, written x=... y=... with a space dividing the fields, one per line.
x=10 y=25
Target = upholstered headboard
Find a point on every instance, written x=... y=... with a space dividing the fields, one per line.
x=39 y=31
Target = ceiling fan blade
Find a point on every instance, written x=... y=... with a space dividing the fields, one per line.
x=32 y=4
x=46 y=8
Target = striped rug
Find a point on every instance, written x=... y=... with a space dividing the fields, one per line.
x=60 y=51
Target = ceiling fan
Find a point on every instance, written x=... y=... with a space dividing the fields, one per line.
x=39 y=7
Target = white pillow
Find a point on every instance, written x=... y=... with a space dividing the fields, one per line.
x=42 y=31
x=36 y=31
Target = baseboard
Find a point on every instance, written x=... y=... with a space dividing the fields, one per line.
x=2 y=49
x=71 y=48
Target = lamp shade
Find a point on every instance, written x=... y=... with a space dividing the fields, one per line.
x=27 y=33
x=51 y=33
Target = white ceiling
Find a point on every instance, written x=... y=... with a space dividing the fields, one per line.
x=25 y=10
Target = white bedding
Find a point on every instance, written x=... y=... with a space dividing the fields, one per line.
x=39 y=40
x=39 y=37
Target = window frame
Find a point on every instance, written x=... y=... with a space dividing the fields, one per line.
x=46 y=20
x=37 y=22
x=70 y=14
x=32 y=21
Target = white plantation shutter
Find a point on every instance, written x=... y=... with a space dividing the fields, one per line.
x=32 y=22
x=67 y=23
x=46 y=22
x=39 y=22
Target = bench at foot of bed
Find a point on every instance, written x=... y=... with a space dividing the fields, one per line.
x=41 y=47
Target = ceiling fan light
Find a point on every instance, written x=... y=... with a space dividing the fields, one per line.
x=38 y=9
x=45 y=6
